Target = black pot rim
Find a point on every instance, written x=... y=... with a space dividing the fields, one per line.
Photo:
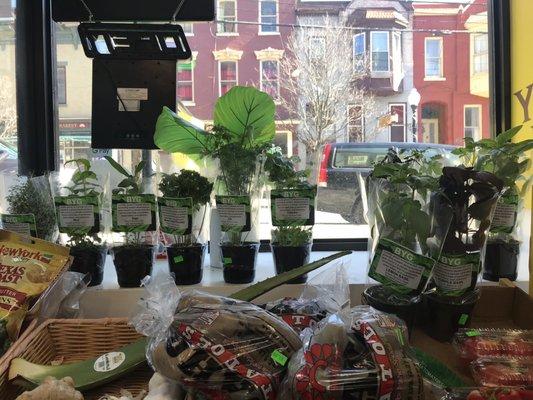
x=436 y=298
x=409 y=300
x=133 y=246
x=244 y=245
x=279 y=246
x=191 y=246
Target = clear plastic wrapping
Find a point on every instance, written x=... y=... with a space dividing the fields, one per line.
x=472 y=344
x=214 y=345
x=501 y=393
x=327 y=293
x=502 y=372
x=358 y=355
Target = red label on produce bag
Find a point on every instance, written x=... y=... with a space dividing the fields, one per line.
x=196 y=339
x=381 y=358
x=299 y=322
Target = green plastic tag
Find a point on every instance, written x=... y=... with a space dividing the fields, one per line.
x=473 y=333
x=178 y=259
x=399 y=334
x=227 y=260
x=463 y=320
x=279 y=357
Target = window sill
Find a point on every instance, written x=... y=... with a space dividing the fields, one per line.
x=189 y=103
x=380 y=74
x=269 y=33
x=227 y=34
x=434 y=79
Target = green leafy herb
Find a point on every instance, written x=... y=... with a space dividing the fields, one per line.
x=132 y=183
x=292 y=236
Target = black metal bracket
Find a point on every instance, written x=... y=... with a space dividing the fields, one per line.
x=114 y=41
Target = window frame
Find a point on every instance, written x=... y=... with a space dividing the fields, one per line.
x=261 y=78
x=354 y=55
x=220 y=32
x=348 y=125
x=404 y=106
x=62 y=66
x=479 y=107
x=220 y=74
x=441 y=76
x=276 y=26
x=193 y=101
x=372 y=33
x=484 y=54
x=188 y=23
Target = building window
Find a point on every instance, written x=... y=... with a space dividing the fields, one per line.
x=268 y=14
x=227 y=12
x=186 y=82
x=227 y=76
x=359 y=50
x=434 y=57
x=188 y=28
x=481 y=53
x=355 y=123
x=379 y=45
x=62 y=84
x=270 y=78
x=397 y=126
x=473 y=122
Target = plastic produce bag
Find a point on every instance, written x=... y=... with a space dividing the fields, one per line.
x=223 y=348
x=503 y=372
x=354 y=356
x=472 y=344
x=502 y=393
x=327 y=293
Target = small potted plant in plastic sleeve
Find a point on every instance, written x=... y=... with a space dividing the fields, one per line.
x=30 y=208
x=183 y=209
x=471 y=195
x=79 y=215
x=134 y=215
x=405 y=243
x=293 y=213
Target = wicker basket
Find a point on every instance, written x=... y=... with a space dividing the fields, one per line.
x=72 y=341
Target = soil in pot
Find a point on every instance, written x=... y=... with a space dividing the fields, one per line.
x=501 y=260
x=383 y=299
x=91 y=261
x=445 y=315
x=186 y=263
x=288 y=258
x=133 y=263
x=239 y=262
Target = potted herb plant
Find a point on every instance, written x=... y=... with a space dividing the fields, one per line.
x=134 y=215
x=182 y=213
x=78 y=216
x=471 y=196
x=404 y=245
x=244 y=126
x=31 y=209
x=507 y=160
x=293 y=213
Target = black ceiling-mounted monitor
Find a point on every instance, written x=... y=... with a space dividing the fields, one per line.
x=132 y=10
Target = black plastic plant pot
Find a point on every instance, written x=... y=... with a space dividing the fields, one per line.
x=445 y=315
x=133 y=263
x=239 y=262
x=89 y=261
x=501 y=260
x=287 y=258
x=383 y=299
x=186 y=263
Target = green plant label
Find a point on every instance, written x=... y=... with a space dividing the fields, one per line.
x=78 y=215
x=463 y=319
x=227 y=261
x=23 y=224
x=279 y=357
x=175 y=215
x=473 y=333
x=178 y=259
x=453 y=274
x=400 y=268
x=505 y=214
x=293 y=207
x=234 y=213
x=134 y=213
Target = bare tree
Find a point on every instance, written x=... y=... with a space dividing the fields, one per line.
x=321 y=79
x=8 y=109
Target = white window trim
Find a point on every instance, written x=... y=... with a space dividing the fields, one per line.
x=260 y=31
x=403 y=105
x=473 y=55
x=362 y=121
x=219 y=74
x=480 y=108
x=236 y=33
x=63 y=64
x=353 y=45
x=372 y=53
x=189 y=34
x=289 y=140
x=434 y=77
x=277 y=99
x=193 y=102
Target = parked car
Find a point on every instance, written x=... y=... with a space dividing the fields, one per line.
x=338 y=186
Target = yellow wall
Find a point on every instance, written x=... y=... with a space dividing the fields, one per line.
x=522 y=75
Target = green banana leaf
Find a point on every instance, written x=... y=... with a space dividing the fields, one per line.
x=245 y=108
x=176 y=135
